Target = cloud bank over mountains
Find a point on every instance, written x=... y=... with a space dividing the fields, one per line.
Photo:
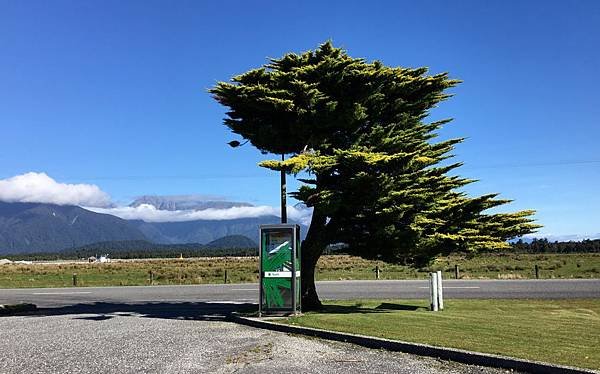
x=149 y=213
x=40 y=188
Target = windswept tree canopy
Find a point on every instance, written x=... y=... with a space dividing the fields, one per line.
x=379 y=181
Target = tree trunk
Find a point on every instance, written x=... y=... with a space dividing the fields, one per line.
x=312 y=248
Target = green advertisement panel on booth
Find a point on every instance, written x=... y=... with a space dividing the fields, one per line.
x=279 y=268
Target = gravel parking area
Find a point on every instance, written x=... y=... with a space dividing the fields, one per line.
x=135 y=342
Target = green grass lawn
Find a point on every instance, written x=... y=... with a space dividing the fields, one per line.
x=557 y=331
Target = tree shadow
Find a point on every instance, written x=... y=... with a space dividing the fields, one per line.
x=359 y=308
x=101 y=311
x=201 y=311
x=390 y=306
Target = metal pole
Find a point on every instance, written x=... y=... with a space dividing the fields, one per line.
x=283 y=195
x=260 y=271
x=440 y=291
x=294 y=301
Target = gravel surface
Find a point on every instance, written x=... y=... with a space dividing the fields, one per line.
x=135 y=342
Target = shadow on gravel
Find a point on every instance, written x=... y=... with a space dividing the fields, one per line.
x=203 y=311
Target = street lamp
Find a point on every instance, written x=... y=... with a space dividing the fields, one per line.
x=235 y=144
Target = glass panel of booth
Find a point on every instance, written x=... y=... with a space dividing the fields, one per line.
x=276 y=259
x=279 y=268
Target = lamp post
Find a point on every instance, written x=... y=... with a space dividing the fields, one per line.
x=283 y=195
x=235 y=144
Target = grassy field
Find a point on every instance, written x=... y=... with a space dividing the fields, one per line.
x=245 y=269
x=483 y=266
x=558 y=331
x=130 y=273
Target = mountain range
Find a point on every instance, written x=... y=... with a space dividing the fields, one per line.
x=185 y=202
x=36 y=227
x=40 y=227
x=200 y=231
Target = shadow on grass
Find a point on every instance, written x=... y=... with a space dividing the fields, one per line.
x=101 y=311
x=359 y=308
x=390 y=306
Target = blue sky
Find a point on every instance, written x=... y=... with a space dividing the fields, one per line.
x=113 y=93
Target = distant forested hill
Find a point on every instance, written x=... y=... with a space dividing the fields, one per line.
x=35 y=227
x=130 y=249
x=233 y=241
x=545 y=246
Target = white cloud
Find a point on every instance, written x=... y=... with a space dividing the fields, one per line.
x=40 y=188
x=149 y=213
x=300 y=214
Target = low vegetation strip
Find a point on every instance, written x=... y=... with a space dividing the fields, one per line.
x=331 y=267
x=565 y=332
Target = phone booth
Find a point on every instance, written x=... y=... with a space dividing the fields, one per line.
x=279 y=259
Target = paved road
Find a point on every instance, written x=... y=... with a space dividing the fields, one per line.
x=340 y=290
x=154 y=339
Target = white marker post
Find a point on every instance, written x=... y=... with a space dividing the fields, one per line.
x=440 y=291
x=433 y=286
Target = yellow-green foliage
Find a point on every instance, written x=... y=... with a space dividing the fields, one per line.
x=379 y=181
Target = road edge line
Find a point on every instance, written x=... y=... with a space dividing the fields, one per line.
x=451 y=354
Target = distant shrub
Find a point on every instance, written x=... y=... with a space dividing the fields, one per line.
x=510 y=276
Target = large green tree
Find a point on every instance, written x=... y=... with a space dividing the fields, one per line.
x=378 y=181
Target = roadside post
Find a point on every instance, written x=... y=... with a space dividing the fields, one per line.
x=279 y=262
x=433 y=297
x=440 y=291
x=436 y=296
